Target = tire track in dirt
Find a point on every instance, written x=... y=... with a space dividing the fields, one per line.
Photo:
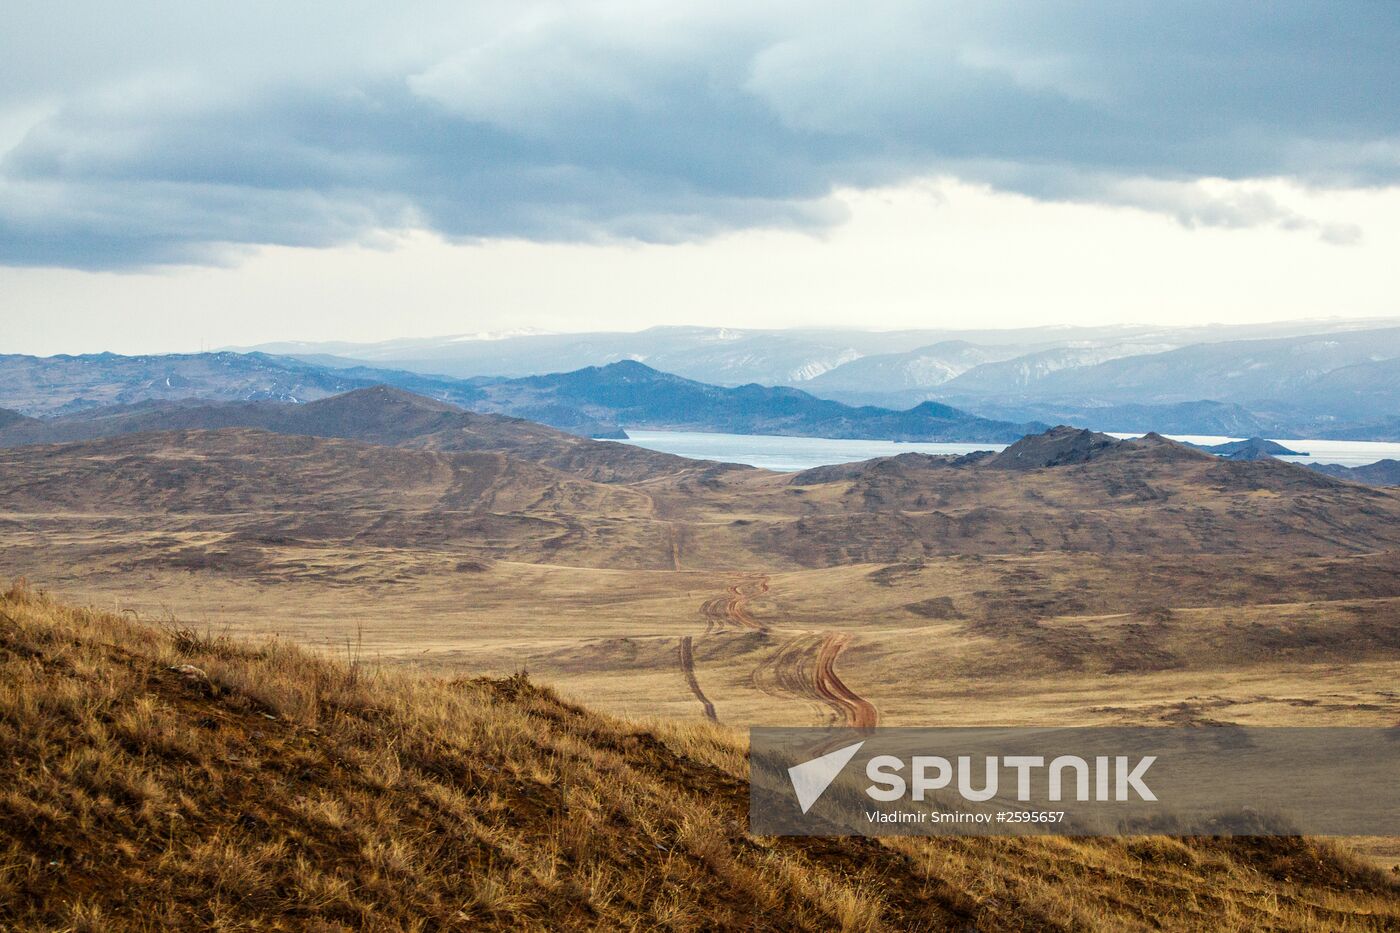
x=856 y=710
x=675 y=537
x=687 y=659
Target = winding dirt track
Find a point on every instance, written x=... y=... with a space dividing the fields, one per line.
x=805 y=666
x=687 y=657
x=731 y=609
x=721 y=613
x=856 y=710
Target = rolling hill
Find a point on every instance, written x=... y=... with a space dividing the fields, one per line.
x=1065 y=489
x=375 y=415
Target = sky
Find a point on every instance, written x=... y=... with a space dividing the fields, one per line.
x=176 y=176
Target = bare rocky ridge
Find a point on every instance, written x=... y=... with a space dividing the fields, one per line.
x=1057 y=447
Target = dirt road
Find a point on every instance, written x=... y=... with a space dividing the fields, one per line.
x=721 y=613
x=687 y=659
x=856 y=710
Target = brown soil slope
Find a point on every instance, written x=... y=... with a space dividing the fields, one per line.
x=155 y=779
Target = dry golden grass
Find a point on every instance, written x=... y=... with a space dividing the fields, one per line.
x=278 y=789
x=1150 y=585
x=1023 y=640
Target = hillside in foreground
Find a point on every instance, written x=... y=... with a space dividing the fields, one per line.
x=160 y=779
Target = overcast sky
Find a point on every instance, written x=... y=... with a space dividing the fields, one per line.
x=182 y=174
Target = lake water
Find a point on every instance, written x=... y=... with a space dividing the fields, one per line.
x=800 y=453
x=784 y=453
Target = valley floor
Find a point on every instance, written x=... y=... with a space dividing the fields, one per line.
x=761 y=647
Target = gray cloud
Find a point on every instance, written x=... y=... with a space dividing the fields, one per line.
x=177 y=141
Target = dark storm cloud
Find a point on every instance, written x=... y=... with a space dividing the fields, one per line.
x=664 y=124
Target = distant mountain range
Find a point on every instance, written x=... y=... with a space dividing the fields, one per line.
x=1297 y=379
x=1289 y=372
x=894 y=360
x=997 y=369
x=56 y=385
x=9 y=419
x=1338 y=380
x=1337 y=385
x=593 y=401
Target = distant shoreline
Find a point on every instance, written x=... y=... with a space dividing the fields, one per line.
x=789 y=454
